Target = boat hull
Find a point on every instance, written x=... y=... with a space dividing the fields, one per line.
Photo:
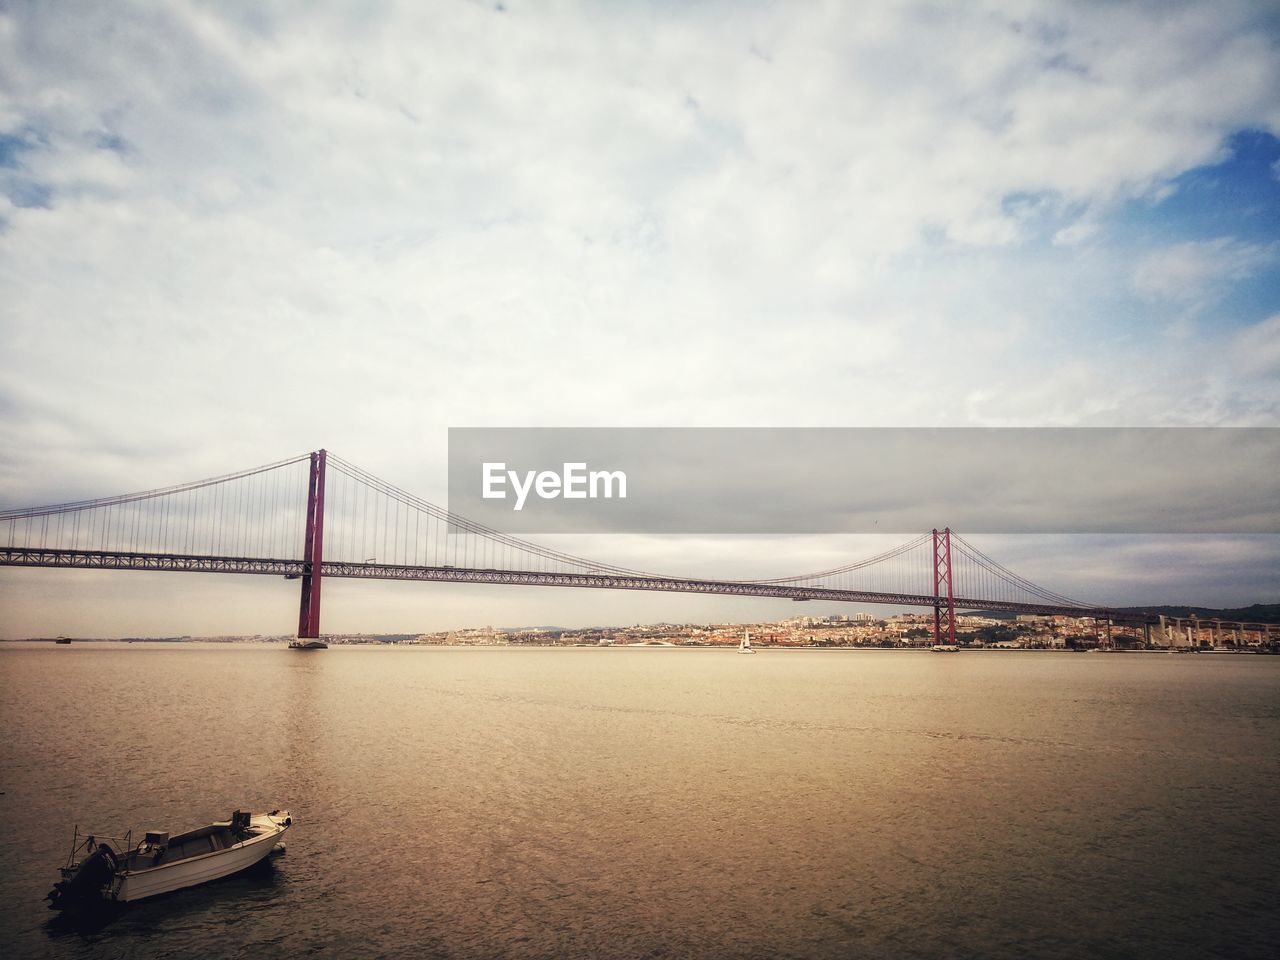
x=133 y=885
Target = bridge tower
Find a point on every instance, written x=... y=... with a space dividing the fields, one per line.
x=944 y=608
x=313 y=552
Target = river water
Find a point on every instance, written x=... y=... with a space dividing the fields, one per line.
x=657 y=802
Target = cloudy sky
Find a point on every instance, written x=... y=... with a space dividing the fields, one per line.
x=230 y=234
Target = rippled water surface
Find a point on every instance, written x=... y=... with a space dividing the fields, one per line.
x=659 y=802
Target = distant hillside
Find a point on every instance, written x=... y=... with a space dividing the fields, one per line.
x=1257 y=613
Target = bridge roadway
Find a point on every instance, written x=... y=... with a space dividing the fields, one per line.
x=603 y=580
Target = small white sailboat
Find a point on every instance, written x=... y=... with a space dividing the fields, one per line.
x=745 y=645
x=110 y=868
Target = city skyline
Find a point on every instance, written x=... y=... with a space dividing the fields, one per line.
x=1250 y=630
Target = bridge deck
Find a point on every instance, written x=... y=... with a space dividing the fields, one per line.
x=115 y=560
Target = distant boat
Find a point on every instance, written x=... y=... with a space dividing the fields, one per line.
x=107 y=869
x=301 y=644
x=745 y=645
x=63 y=640
x=945 y=648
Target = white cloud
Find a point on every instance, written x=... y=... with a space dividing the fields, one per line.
x=1076 y=232
x=1191 y=271
x=1257 y=348
x=647 y=179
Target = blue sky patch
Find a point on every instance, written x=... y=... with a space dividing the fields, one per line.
x=112 y=142
x=28 y=193
x=1239 y=197
x=1234 y=205
x=10 y=148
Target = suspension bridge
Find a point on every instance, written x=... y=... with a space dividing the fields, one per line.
x=316 y=516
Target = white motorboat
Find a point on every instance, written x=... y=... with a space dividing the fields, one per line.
x=745 y=645
x=110 y=868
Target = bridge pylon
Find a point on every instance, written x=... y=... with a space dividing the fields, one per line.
x=944 y=608
x=313 y=551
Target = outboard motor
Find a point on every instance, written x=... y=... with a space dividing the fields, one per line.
x=240 y=821
x=84 y=882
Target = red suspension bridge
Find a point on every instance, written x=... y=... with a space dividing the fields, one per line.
x=316 y=516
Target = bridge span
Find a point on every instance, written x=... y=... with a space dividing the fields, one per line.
x=316 y=516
